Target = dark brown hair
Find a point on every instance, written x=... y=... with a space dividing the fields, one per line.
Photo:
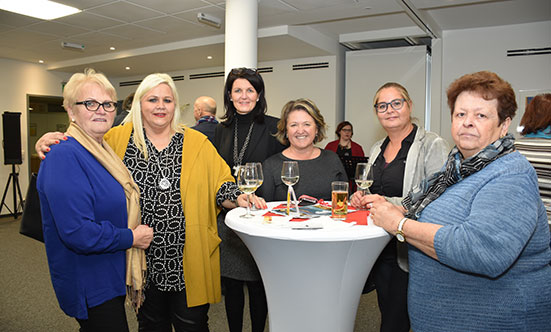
x=257 y=82
x=537 y=115
x=489 y=86
x=342 y=125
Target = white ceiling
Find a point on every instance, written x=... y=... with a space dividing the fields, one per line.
x=164 y=35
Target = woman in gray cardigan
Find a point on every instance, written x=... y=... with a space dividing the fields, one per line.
x=400 y=161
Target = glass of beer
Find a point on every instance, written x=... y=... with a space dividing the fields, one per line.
x=339 y=200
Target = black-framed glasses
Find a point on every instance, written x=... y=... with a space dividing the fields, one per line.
x=396 y=105
x=93 y=105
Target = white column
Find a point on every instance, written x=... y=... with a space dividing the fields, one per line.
x=241 y=34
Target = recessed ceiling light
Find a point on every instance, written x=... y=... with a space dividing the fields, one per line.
x=42 y=9
x=127 y=68
x=40 y=61
x=209 y=57
x=112 y=48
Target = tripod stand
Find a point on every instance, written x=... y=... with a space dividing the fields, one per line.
x=16 y=190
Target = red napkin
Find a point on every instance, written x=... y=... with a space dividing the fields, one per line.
x=359 y=216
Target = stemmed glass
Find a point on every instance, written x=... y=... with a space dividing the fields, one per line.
x=247 y=181
x=259 y=176
x=290 y=176
x=364 y=176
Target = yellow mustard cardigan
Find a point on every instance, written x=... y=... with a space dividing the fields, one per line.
x=203 y=172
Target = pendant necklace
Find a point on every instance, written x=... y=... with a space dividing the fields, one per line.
x=238 y=157
x=164 y=183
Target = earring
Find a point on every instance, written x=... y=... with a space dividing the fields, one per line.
x=73 y=119
x=231 y=99
x=257 y=99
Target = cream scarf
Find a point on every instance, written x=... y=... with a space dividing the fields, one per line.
x=135 y=258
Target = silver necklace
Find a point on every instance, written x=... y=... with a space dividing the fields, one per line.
x=238 y=158
x=164 y=183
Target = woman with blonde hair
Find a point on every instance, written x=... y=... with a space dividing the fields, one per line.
x=183 y=183
x=400 y=162
x=301 y=126
x=91 y=213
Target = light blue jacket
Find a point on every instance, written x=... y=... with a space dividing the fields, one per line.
x=493 y=271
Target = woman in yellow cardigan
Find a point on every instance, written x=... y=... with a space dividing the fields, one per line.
x=183 y=184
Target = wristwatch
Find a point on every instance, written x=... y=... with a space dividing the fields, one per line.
x=400 y=233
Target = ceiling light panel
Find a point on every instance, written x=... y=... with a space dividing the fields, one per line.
x=42 y=9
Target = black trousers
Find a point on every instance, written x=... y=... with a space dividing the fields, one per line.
x=162 y=310
x=109 y=316
x=234 y=300
x=391 y=283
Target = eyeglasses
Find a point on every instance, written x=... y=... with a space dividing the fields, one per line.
x=93 y=105
x=347 y=130
x=396 y=105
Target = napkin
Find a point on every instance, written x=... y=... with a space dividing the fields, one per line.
x=358 y=216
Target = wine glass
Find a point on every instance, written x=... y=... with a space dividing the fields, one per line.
x=364 y=176
x=259 y=177
x=247 y=181
x=289 y=176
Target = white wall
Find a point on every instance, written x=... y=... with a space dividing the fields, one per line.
x=18 y=80
x=282 y=85
x=366 y=71
x=471 y=50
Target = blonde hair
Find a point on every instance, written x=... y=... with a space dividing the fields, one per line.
x=72 y=88
x=397 y=86
x=135 y=114
x=309 y=107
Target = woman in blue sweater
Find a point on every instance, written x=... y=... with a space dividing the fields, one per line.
x=477 y=231
x=91 y=214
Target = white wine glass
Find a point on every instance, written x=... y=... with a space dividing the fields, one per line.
x=364 y=176
x=259 y=176
x=247 y=181
x=290 y=176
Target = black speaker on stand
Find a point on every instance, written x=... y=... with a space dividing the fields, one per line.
x=11 y=123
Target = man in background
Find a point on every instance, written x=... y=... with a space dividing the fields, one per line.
x=204 y=111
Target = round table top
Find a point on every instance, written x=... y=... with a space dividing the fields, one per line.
x=317 y=229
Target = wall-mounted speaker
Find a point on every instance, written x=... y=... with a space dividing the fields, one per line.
x=11 y=123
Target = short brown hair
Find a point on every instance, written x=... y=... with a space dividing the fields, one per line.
x=537 y=115
x=309 y=107
x=489 y=86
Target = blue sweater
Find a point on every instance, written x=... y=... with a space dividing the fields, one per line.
x=493 y=272
x=85 y=228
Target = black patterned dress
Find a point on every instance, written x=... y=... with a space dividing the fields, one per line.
x=162 y=209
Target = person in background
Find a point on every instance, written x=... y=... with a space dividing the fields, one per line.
x=246 y=134
x=183 y=184
x=204 y=112
x=126 y=105
x=344 y=146
x=91 y=213
x=400 y=162
x=477 y=230
x=301 y=126
x=535 y=144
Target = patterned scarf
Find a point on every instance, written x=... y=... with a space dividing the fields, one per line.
x=455 y=171
x=135 y=258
